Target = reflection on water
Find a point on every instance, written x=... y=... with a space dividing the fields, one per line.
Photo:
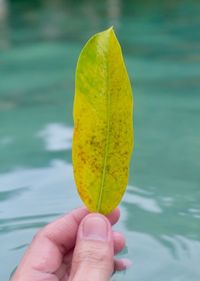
x=39 y=46
x=145 y=203
x=19 y=223
x=7 y=195
x=57 y=137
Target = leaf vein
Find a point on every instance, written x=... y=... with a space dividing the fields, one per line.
x=106 y=143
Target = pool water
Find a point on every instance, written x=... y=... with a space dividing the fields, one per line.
x=39 y=46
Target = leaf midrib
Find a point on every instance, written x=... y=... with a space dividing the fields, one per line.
x=107 y=139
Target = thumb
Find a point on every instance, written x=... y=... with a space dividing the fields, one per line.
x=93 y=253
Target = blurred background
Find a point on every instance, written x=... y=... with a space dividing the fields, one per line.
x=39 y=45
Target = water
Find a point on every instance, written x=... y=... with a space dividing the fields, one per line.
x=40 y=44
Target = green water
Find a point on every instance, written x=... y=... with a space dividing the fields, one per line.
x=40 y=44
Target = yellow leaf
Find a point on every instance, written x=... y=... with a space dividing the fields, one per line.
x=103 y=125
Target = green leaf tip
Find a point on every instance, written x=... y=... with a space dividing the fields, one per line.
x=111 y=28
x=106 y=32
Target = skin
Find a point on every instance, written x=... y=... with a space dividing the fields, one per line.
x=76 y=247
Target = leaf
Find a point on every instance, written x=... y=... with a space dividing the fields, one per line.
x=103 y=125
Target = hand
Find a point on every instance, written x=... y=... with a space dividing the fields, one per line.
x=77 y=247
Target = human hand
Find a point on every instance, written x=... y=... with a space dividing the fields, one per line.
x=76 y=247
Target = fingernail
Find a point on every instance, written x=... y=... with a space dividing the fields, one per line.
x=127 y=263
x=95 y=228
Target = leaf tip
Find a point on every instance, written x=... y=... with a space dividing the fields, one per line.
x=110 y=29
x=109 y=32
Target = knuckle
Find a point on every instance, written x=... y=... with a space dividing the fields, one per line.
x=95 y=254
x=40 y=233
x=37 y=235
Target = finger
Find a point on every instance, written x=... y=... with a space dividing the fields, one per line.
x=68 y=257
x=119 y=242
x=114 y=216
x=62 y=232
x=52 y=241
x=61 y=272
x=118 y=238
x=122 y=264
x=93 y=253
x=68 y=260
